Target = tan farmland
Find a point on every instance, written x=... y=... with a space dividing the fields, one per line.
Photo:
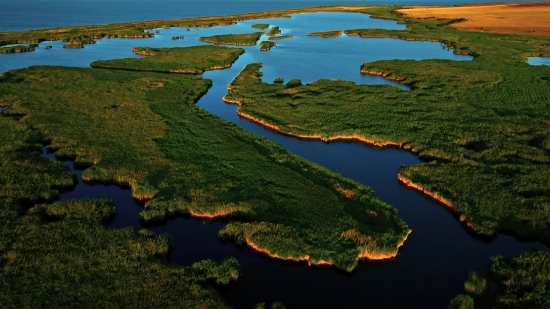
x=525 y=18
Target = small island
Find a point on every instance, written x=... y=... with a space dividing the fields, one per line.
x=17 y=49
x=266 y=45
x=245 y=39
x=274 y=31
x=280 y=37
x=182 y=60
x=327 y=34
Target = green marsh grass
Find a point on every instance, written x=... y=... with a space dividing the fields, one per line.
x=190 y=60
x=327 y=34
x=483 y=124
x=260 y=26
x=16 y=49
x=266 y=45
x=142 y=129
x=242 y=39
x=274 y=31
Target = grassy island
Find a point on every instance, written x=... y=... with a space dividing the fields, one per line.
x=142 y=129
x=274 y=31
x=281 y=37
x=260 y=26
x=266 y=45
x=16 y=49
x=326 y=34
x=62 y=254
x=243 y=39
x=183 y=60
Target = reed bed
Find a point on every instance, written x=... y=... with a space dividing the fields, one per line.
x=242 y=39
x=185 y=60
x=142 y=129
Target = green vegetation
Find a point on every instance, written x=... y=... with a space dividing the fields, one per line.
x=189 y=60
x=281 y=37
x=16 y=49
x=517 y=282
x=327 y=34
x=483 y=123
x=244 y=39
x=61 y=256
x=143 y=129
x=274 y=31
x=266 y=45
x=462 y=301
x=260 y=26
x=276 y=305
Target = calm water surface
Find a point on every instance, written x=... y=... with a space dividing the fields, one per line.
x=434 y=262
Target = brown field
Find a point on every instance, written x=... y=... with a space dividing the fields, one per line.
x=523 y=18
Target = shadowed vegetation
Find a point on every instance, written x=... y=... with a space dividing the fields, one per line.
x=516 y=282
x=327 y=34
x=243 y=39
x=484 y=124
x=266 y=45
x=61 y=256
x=144 y=130
x=190 y=60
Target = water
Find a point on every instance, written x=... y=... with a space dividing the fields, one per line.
x=538 y=60
x=434 y=262
x=18 y=15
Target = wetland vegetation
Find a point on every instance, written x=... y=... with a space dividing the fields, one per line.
x=266 y=45
x=17 y=49
x=243 y=39
x=327 y=34
x=187 y=60
x=261 y=26
x=68 y=241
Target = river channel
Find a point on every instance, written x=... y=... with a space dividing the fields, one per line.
x=435 y=260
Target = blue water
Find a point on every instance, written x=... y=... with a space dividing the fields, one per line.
x=539 y=60
x=434 y=262
x=17 y=15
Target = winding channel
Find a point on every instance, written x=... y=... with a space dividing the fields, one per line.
x=430 y=268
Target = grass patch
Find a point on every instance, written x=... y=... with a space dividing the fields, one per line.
x=188 y=60
x=16 y=49
x=61 y=255
x=261 y=26
x=186 y=161
x=243 y=39
x=520 y=281
x=266 y=45
x=280 y=37
x=483 y=123
x=327 y=34
x=274 y=31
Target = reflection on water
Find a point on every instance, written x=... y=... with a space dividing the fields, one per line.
x=434 y=262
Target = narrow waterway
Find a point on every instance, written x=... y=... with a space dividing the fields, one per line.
x=434 y=262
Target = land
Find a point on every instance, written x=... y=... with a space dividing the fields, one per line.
x=60 y=254
x=517 y=18
x=274 y=31
x=143 y=130
x=183 y=60
x=266 y=45
x=243 y=39
x=17 y=49
x=327 y=34
x=520 y=281
x=260 y=26
x=280 y=37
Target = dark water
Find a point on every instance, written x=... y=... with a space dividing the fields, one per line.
x=434 y=262
x=18 y=15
